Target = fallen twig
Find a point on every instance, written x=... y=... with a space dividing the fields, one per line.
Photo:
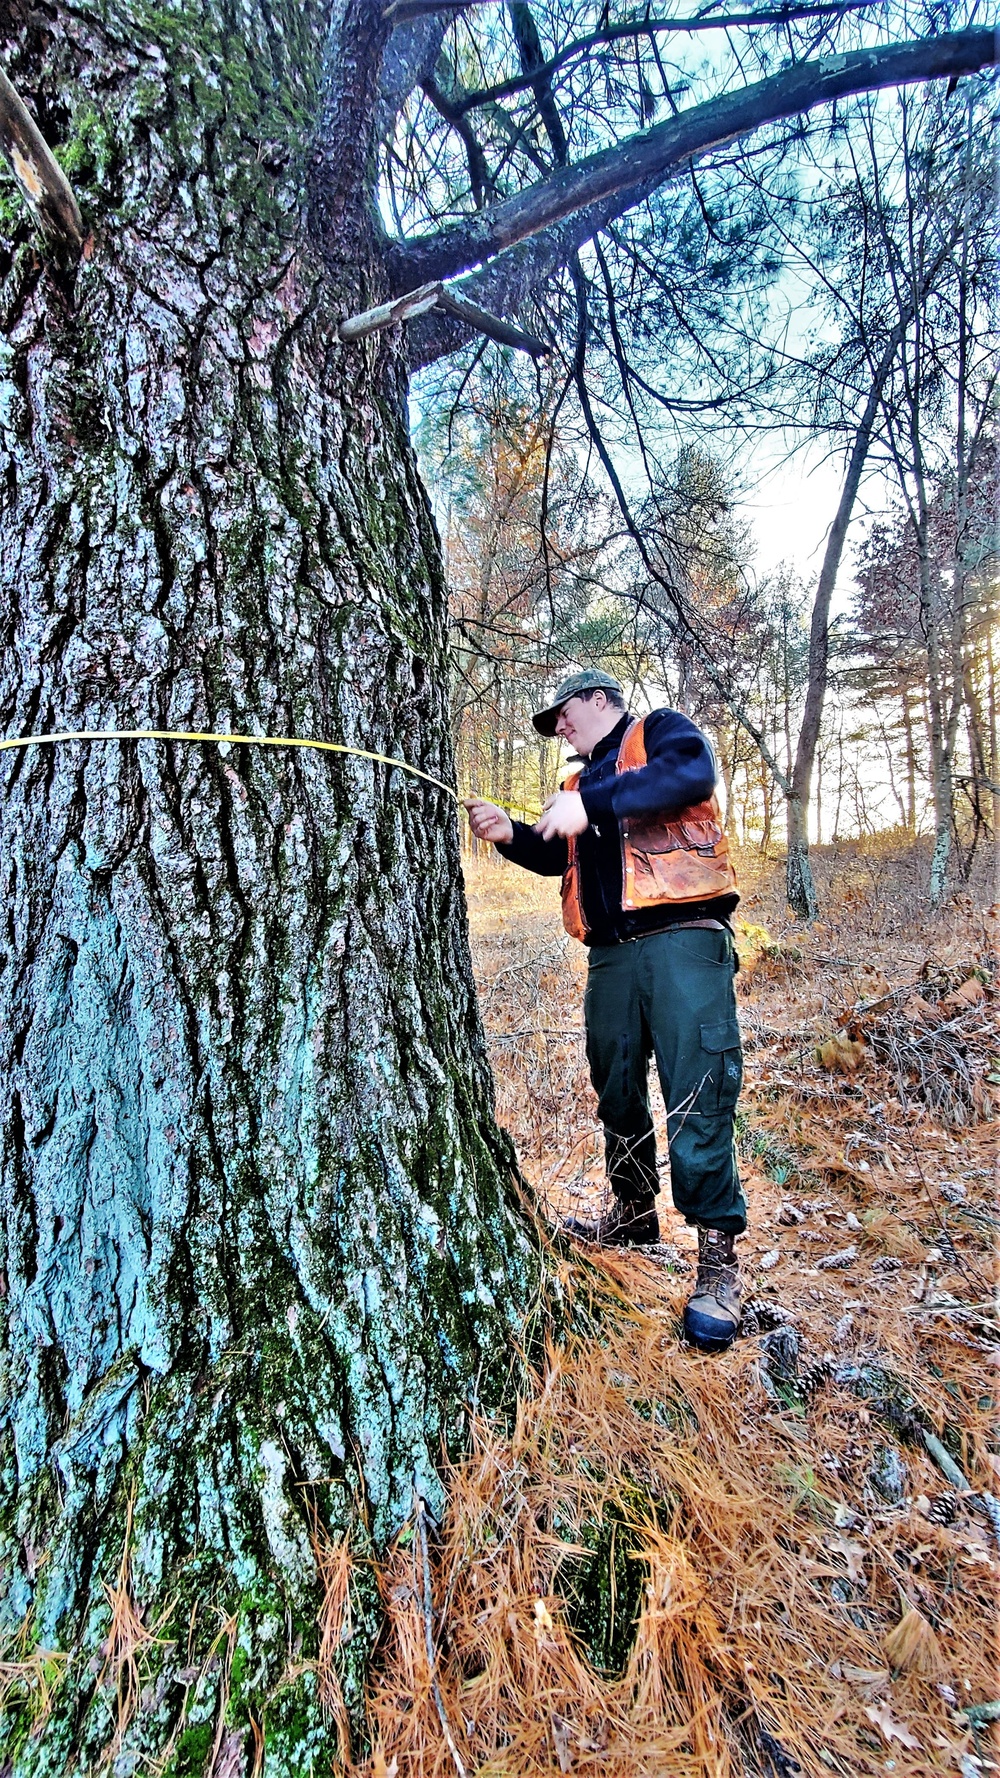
x=980 y=1713
x=421 y=1522
x=946 y=1464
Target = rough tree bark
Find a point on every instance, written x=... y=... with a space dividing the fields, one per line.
x=259 y=1238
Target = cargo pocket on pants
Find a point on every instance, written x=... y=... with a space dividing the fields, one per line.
x=722 y=1042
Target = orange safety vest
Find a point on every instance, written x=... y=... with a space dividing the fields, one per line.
x=683 y=860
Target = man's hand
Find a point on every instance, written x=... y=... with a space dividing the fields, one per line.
x=488 y=822
x=563 y=815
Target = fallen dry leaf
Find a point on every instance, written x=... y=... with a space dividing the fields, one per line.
x=842 y=1053
x=969 y=994
x=921 y=1012
x=560 y=1741
x=853 y=1554
x=892 y=1730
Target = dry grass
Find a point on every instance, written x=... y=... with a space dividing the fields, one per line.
x=795 y=1584
x=333 y=1565
x=31 y=1678
x=127 y=1640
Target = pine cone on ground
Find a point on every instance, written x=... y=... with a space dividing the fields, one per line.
x=943 y=1509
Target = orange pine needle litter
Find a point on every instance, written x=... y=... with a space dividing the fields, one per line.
x=771 y=1568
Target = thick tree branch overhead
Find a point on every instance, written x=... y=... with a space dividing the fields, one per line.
x=649 y=158
x=409 y=58
x=505 y=284
x=727 y=21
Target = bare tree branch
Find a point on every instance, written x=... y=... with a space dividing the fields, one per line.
x=680 y=606
x=480 y=178
x=535 y=75
x=648 y=159
x=43 y=184
x=581 y=46
x=452 y=302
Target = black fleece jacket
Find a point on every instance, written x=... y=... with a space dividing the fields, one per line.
x=680 y=770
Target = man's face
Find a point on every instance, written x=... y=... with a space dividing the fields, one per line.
x=582 y=722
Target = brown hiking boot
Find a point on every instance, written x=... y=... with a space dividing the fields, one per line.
x=712 y=1312
x=626 y=1223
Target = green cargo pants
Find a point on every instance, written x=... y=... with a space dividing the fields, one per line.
x=671 y=996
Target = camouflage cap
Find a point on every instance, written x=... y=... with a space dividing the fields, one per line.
x=591 y=679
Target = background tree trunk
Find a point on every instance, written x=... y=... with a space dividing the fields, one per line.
x=911 y=764
x=994 y=702
x=799 y=885
x=260 y=1243
x=938 y=725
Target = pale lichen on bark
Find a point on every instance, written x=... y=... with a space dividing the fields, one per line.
x=260 y=1241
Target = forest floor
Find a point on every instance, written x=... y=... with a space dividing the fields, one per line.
x=752 y=1564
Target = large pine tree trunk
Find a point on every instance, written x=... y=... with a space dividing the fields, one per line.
x=259 y=1239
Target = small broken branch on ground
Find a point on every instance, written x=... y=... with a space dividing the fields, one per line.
x=420 y=1514
x=42 y=182
x=449 y=302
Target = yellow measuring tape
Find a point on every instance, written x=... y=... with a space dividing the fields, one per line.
x=166 y=734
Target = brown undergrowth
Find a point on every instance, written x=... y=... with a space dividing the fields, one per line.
x=670 y=1564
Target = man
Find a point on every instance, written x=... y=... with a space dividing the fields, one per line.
x=648 y=886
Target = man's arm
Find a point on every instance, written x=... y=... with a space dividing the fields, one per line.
x=516 y=840
x=680 y=770
x=547 y=858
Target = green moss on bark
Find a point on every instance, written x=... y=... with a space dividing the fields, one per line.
x=604 y=1591
x=194 y=1746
